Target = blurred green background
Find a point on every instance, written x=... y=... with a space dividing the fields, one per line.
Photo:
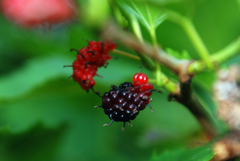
x=46 y=116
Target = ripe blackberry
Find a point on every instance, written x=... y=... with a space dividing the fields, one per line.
x=121 y=104
x=125 y=85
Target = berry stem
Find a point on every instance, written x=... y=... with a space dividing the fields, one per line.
x=150 y=107
x=123 y=129
x=126 y=54
x=97 y=93
x=99 y=76
x=67 y=66
x=74 y=50
x=109 y=123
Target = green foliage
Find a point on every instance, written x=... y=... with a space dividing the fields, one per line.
x=46 y=116
x=95 y=13
x=203 y=153
x=38 y=143
x=35 y=71
x=180 y=55
x=150 y=16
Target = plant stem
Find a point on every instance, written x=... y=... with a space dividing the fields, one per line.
x=185 y=95
x=188 y=99
x=227 y=52
x=176 y=65
x=163 y=81
x=219 y=57
x=136 y=28
x=137 y=31
x=152 y=28
x=192 y=33
x=126 y=54
x=153 y=36
x=118 y=15
x=171 y=86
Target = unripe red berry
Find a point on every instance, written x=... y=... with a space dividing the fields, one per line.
x=83 y=50
x=91 y=82
x=83 y=77
x=77 y=73
x=142 y=78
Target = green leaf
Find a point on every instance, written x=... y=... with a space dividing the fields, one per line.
x=37 y=71
x=238 y=3
x=203 y=153
x=95 y=13
x=180 y=55
x=85 y=138
x=38 y=143
x=150 y=16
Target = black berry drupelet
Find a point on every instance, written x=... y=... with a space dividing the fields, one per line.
x=122 y=105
